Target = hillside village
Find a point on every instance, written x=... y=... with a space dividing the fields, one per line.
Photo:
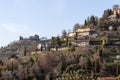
x=90 y=51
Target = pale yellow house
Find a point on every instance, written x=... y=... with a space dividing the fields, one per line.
x=83 y=32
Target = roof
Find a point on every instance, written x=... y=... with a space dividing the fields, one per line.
x=83 y=29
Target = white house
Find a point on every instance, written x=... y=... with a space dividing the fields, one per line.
x=72 y=34
x=39 y=46
x=81 y=43
x=83 y=31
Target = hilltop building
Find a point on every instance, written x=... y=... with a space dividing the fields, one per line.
x=44 y=44
x=81 y=36
x=116 y=9
x=72 y=34
x=116 y=13
x=83 y=32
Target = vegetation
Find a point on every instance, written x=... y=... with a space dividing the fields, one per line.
x=65 y=59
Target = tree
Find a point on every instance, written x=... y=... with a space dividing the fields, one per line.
x=35 y=69
x=117 y=16
x=76 y=26
x=48 y=61
x=69 y=44
x=103 y=42
x=85 y=23
x=37 y=37
x=56 y=42
x=93 y=20
x=64 y=33
x=20 y=38
x=102 y=24
x=25 y=51
x=107 y=13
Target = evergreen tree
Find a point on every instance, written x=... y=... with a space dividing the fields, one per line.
x=85 y=23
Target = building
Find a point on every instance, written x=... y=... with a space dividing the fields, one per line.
x=79 y=32
x=72 y=34
x=116 y=9
x=116 y=13
x=44 y=45
x=82 y=32
x=39 y=46
x=82 y=36
x=86 y=32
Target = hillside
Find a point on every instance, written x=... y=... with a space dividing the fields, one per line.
x=89 y=51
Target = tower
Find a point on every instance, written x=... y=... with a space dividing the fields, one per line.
x=116 y=10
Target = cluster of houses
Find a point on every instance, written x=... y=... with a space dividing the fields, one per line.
x=81 y=36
